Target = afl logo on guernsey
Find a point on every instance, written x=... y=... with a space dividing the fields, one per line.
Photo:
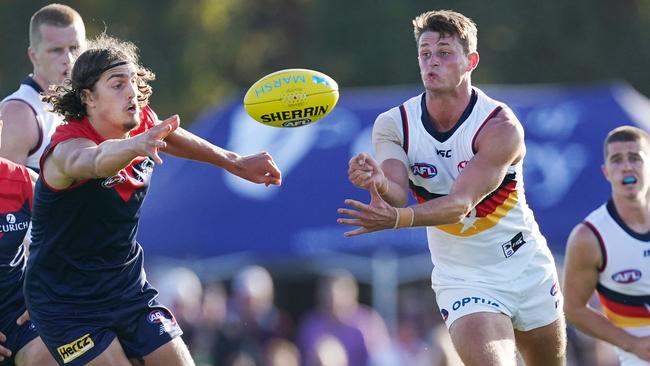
x=424 y=170
x=627 y=276
x=110 y=182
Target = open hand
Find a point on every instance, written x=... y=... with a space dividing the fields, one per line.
x=149 y=142
x=375 y=216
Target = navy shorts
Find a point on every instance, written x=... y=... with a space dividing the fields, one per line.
x=17 y=335
x=77 y=338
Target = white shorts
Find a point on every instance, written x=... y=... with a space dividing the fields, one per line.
x=532 y=300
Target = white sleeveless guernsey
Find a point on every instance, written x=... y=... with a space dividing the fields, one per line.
x=624 y=280
x=29 y=92
x=498 y=238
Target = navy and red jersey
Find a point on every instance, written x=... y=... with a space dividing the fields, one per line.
x=16 y=196
x=84 y=254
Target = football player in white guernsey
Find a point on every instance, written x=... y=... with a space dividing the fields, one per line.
x=461 y=153
x=609 y=252
x=56 y=34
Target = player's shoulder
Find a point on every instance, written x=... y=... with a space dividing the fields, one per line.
x=394 y=114
x=503 y=125
x=10 y=171
x=584 y=236
x=502 y=128
x=17 y=111
x=75 y=129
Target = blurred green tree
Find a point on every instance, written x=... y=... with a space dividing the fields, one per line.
x=205 y=51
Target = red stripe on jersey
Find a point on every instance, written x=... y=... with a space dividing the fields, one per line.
x=418 y=198
x=489 y=117
x=601 y=244
x=405 y=128
x=496 y=199
x=622 y=309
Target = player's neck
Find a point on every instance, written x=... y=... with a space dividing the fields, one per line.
x=42 y=82
x=445 y=108
x=634 y=211
x=106 y=129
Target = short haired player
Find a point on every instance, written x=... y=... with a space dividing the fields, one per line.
x=461 y=154
x=56 y=35
x=609 y=252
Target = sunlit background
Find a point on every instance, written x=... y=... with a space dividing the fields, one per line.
x=253 y=274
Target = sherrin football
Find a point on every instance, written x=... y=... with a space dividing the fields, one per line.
x=291 y=98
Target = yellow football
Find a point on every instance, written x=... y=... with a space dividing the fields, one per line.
x=291 y=98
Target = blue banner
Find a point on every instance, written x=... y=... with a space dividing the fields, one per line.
x=196 y=211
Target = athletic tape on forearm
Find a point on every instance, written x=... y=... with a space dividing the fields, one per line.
x=396 y=218
x=405 y=217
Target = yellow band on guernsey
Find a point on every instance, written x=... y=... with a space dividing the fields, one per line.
x=76 y=348
x=626 y=321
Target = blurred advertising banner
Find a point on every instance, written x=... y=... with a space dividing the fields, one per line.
x=196 y=211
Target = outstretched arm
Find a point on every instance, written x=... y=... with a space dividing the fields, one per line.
x=80 y=159
x=498 y=145
x=582 y=261
x=257 y=168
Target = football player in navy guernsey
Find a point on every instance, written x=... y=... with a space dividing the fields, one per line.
x=20 y=344
x=461 y=153
x=609 y=252
x=86 y=289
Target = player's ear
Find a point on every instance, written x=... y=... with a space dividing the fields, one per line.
x=473 y=61
x=603 y=168
x=31 y=54
x=87 y=98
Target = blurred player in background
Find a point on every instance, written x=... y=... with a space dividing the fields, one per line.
x=21 y=345
x=461 y=153
x=610 y=252
x=94 y=176
x=56 y=34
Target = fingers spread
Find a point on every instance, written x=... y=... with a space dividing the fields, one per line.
x=356 y=204
x=359 y=231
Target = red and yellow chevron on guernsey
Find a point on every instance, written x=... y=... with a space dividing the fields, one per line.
x=625 y=315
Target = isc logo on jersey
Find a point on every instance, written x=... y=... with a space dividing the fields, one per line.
x=76 y=348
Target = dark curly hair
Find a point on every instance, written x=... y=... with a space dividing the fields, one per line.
x=101 y=54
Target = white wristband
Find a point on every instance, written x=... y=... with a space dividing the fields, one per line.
x=396 y=218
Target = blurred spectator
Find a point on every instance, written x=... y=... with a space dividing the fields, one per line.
x=280 y=352
x=181 y=288
x=329 y=351
x=359 y=328
x=213 y=317
x=252 y=320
